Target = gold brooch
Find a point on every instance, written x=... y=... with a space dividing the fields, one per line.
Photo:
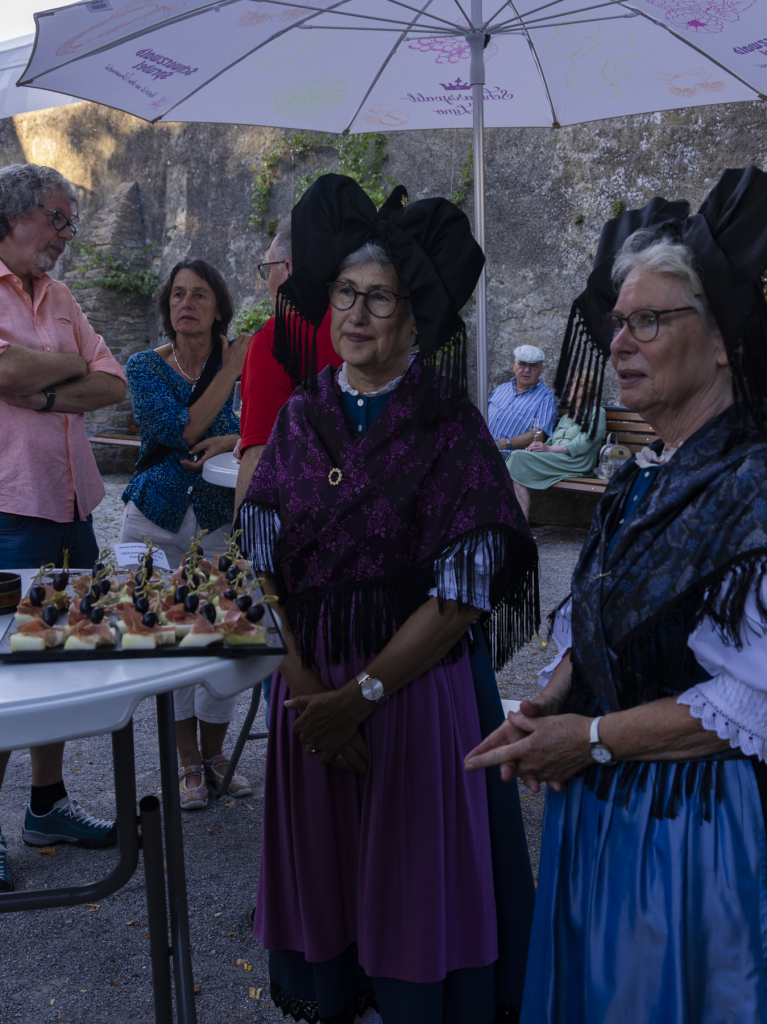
x=335 y=476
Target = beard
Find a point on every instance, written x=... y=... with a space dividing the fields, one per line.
x=44 y=260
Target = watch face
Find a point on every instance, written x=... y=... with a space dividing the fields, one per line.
x=601 y=754
x=372 y=689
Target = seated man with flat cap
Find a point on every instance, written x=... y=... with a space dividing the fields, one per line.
x=522 y=404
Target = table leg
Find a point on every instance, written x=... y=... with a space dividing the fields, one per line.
x=154 y=874
x=244 y=736
x=174 y=857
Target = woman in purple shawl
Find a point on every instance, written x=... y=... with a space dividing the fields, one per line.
x=391 y=882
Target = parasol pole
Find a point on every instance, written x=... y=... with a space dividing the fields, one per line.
x=476 y=40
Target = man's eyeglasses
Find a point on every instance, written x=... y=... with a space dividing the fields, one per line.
x=379 y=301
x=59 y=221
x=264 y=271
x=644 y=324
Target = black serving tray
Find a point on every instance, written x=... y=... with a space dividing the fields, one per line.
x=274 y=645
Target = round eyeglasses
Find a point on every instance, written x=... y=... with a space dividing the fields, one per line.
x=379 y=301
x=59 y=221
x=644 y=324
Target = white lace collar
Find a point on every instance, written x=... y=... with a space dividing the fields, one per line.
x=647 y=458
x=345 y=386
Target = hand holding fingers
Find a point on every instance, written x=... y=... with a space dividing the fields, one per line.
x=500 y=737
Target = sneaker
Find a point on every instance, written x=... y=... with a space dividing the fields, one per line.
x=192 y=798
x=68 y=823
x=6 y=878
x=215 y=770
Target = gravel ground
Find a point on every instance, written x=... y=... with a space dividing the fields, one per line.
x=90 y=965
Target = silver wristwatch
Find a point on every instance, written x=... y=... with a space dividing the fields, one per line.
x=599 y=752
x=372 y=689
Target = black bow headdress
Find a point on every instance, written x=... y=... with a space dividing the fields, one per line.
x=728 y=236
x=433 y=251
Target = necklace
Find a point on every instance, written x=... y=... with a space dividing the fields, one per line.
x=192 y=380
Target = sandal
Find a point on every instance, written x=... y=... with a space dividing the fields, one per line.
x=239 y=786
x=196 y=797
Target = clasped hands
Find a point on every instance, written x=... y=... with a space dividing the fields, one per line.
x=536 y=744
x=328 y=724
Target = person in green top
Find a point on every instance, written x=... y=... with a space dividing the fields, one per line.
x=569 y=452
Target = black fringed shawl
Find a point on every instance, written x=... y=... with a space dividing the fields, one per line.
x=696 y=547
x=353 y=561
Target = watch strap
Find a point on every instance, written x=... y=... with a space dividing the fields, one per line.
x=50 y=394
x=594 y=731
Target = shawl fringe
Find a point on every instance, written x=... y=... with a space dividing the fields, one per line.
x=582 y=359
x=445 y=381
x=295 y=343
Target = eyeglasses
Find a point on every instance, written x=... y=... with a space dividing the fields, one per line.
x=644 y=324
x=264 y=271
x=59 y=221
x=379 y=301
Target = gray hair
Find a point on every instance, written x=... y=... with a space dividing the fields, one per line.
x=281 y=243
x=23 y=186
x=645 y=250
x=370 y=252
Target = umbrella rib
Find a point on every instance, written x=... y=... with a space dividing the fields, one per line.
x=242 y=57
x=173 y=20
x=540 y=25
x=703 y=53
x=415 y=10
x=564 y=14
x=555 y=119
x=350 y=14
x=385 y=63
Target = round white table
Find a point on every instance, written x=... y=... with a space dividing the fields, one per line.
x=42 y=703
x=221 y=470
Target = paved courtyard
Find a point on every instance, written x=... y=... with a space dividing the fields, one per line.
x=90 y=964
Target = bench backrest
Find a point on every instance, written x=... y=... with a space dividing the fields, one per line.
x=630 y=428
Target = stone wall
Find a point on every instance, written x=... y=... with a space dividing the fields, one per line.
x=548 y=193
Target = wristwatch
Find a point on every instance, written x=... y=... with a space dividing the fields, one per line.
x=372 y=689
x=599 y=752
x=50 y=394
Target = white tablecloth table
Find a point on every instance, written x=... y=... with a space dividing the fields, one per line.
x=221 y=470
x=42 y=703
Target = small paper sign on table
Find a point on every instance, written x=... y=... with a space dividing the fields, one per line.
x=131 y=554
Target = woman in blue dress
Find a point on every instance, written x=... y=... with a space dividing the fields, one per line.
x=651 y=732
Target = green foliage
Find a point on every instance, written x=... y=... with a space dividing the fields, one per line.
x=617 y=208
x=465 y=180
x=126 y=278
x=249 y=319
x=359 y=156
x=578 y=218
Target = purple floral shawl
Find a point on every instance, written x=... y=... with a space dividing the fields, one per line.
x=353 y=561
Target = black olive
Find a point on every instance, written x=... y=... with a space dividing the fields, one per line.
x=224 y=562
x=37 y=595
x=86 y=604
x=142 y=605
x=139 y=579
x=183 y=574
x=150 y=620
x=97 y=568
x=137 y=593
x=230 y=594
x=209 y=611
x=60 y=581
x=244 y=601
x=191 y=602
x=232 y=573
x=180 y=594
x=149 y=564
x=105 y=586
x=97 y=614
x=50 y=615
x=255 y=613
x=95 y=591
x=200 y=552
x=195 y=578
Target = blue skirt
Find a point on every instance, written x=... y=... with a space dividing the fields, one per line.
x=641 y=920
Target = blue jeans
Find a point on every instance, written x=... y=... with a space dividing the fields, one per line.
x=27 y=542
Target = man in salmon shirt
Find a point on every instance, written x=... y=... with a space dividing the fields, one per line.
x=53 y=369
x=266 y=386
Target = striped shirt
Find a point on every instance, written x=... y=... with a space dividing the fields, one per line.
x=510 y=414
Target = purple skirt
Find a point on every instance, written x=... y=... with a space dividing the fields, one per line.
x=397 y=860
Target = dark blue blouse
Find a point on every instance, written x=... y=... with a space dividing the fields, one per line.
x=164 y=492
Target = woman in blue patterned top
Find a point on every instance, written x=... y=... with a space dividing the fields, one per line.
x=182 y=399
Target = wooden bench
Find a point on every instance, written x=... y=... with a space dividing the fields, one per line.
x=631 y=430
x=130 y=439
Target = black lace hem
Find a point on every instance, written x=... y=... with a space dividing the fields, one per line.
x=307 y=1010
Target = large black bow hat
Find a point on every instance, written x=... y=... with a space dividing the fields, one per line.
x=728 y=236
x=433 y=252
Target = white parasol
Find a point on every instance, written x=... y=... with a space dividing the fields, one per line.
x=388 y=65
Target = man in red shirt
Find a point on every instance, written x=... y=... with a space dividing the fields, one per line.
x=265 y=385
